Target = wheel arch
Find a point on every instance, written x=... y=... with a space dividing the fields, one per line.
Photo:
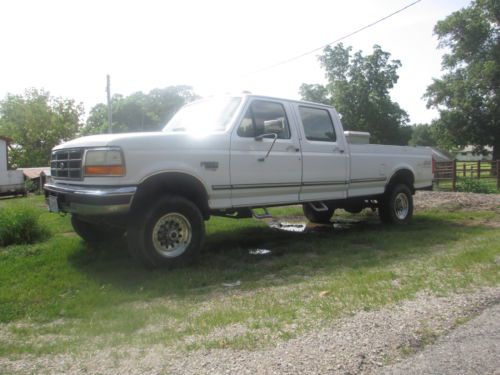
x=178 y=183
x=404 y=176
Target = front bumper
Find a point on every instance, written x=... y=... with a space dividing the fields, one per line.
x=90 y=200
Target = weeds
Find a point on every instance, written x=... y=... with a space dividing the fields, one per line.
x=20 y=224
x=473 y=185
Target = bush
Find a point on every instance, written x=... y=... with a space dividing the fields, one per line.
x=20 y=224
x=473 y=185
x=30 y=186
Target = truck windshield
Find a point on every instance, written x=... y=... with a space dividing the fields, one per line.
x=204 y=116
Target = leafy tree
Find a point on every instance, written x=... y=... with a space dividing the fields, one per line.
x=442 y=137
x=467 y=95
x=422 y=135
x=315 y=93
x=37 y=122
x=358 y=86
x=405 y=133
x=431 y=135
x=97 y=121
x=139 y=111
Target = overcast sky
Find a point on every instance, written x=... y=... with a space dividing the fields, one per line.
x=68 y=47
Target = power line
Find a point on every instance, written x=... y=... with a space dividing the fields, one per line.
x=336 y=40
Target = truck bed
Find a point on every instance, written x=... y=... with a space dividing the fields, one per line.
x=372 y=164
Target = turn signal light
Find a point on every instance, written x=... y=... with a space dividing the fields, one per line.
x=104 y=170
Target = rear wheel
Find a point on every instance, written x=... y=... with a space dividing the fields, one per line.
x=317 y=216
x=169 y=232
x=396 y=207
x=93 y=232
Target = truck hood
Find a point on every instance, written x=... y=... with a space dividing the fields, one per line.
x=149 y=140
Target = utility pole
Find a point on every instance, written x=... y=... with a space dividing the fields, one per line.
x=110 y=113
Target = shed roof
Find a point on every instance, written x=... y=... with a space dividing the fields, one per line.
x=6 y=139
x=32 y=173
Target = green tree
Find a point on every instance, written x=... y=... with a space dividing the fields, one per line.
x=467 y=95
x=422 y=135
x=97 y=121
x=405 y=133
x=37 y=122
x=358 y=87
x=315 y=93
x=139 y=111
x=443 y=138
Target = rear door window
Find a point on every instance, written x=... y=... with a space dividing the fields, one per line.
x=317 y=123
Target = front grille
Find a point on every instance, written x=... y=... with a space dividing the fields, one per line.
x=67 y=164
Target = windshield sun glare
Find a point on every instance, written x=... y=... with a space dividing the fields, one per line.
x=204 y=116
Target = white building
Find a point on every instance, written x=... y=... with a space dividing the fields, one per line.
x=468 y=154
x=4 y=141
x=11 y=182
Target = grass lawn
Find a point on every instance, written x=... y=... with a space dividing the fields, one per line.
x=62 y=295
x=472 y=165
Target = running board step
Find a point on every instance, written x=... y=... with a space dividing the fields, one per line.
x=318 y=206
x=265 y=215
x=240 y=213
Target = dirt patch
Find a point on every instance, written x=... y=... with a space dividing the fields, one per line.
x=450 y=201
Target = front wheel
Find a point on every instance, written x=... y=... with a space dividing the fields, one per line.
x=396 y=207
x=168 y=232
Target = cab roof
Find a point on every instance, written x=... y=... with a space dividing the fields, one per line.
x=265 y=97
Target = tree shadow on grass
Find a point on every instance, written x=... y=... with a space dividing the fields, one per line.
x=227 y=258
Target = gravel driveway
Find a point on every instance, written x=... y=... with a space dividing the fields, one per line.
x=361 y=344
x=473 y=348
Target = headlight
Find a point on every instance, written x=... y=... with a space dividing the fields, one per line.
x=104 y=162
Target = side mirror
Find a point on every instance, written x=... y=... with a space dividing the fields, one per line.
x=272 y=128
x=275 y=126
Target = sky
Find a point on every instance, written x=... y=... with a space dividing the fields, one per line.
x=217 y=46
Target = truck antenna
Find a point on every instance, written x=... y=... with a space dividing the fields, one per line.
x=110 y=113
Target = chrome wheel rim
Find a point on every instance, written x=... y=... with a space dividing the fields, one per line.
x=172 y=235
x=401 y=206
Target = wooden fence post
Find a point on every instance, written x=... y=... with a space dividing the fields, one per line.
x=464 y=171
x=478 y=169
x=498 y=174
x=454 y=176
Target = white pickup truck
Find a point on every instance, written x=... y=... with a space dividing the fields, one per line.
x=226 y=156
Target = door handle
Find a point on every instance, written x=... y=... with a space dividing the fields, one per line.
x=338 y=149
x=293 y=148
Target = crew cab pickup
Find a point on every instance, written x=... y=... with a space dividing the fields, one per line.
x=227 y=156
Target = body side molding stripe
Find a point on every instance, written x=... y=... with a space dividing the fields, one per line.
x=276 y=185
x=361 y=180
x=314 y=183
x=282 y=185
x=254 y=186
x=221 y=187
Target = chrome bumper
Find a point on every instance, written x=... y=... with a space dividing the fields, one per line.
x=90 y=201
